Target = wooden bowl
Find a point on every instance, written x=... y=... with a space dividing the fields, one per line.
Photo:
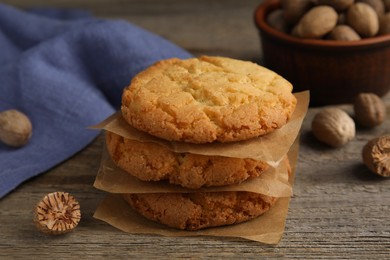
x=334 y=71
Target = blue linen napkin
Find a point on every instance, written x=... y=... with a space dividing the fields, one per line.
x=65 y=75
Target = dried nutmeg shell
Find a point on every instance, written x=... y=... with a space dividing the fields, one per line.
x=57 y=213
x=15 y=128
x=376 y=155
x=333 y=126
x=370 y=110
x=377 y=5
x=363 y=19
x=316 y=23
x=343 y=33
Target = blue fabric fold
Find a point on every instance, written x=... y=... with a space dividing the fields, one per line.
x=65 y=75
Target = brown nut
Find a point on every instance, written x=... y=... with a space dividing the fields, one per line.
x=293 y=10
x=376 y=155
x=343 y=33
x=15 y=128
x=276 y=21
x=57 y=213
x=384 y=24
x=370 y=111
x=339 y=5
x=317 y=22
x=363 y=19
x=377 y=5
x=333 y=126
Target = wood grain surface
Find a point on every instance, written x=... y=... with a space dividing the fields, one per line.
x=339 y=209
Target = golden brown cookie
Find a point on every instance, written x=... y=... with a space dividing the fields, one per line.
x=153 y=162
x=201 y=100
x=193 y=211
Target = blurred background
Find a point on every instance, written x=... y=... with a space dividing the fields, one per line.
x=221 y=27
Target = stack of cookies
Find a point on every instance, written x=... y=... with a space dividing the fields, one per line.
x=199 y=101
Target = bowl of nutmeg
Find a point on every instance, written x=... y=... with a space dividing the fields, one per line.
x=334 y=48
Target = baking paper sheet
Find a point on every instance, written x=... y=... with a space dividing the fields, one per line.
x=270 y=148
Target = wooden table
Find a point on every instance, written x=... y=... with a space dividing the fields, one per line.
x=339 y=209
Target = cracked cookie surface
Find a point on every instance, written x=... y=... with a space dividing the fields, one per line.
x=153 y=162
x=194 y=211
x=206 y=99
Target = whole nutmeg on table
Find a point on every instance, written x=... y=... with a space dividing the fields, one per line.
x=376 y=155
x=370 y=110
x=15 y=128
x=57 y=213
x=333 y=126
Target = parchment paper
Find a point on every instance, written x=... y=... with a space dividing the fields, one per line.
x=267 y=228
x=110 y=178
x=270 y=148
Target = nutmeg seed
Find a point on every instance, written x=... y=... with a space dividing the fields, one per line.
x=317 y=22
x=363 y=19
x=377 y=5
x=376 y=155
x=343 y=33
x=370 y=110
x=15 y=128
x=57 y=213
x=333 y=126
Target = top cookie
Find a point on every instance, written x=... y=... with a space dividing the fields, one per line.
x=206 y=99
